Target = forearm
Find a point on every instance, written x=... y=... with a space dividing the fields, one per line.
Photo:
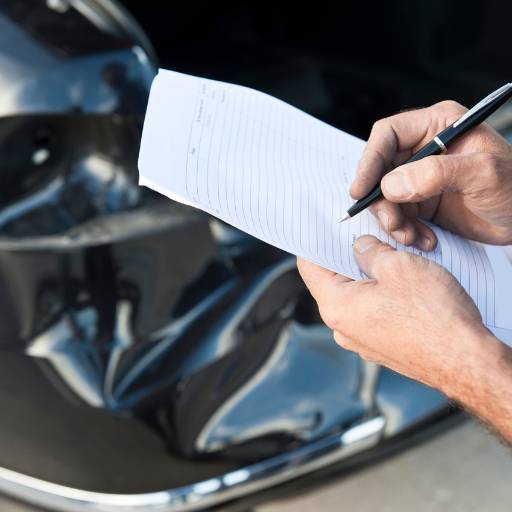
x=483 y=383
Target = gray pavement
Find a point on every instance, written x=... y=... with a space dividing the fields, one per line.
x=465 y=469
x=462 y=470
x=6 y=505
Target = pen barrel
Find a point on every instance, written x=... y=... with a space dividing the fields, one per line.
x=430 y=149
x=366 y=201
x=451 y=133
x=460 y=127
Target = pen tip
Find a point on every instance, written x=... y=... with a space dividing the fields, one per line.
x=344 y=218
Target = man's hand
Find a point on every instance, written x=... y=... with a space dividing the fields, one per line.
x=468 y=190
x=413 y=317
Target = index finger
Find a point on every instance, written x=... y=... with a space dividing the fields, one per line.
x=400 y=135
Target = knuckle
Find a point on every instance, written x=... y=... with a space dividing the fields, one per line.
x=380 y=125
x=438 y=175
x=366 y=357
x=389 y=218
x=403 y=258
x=386 y=262
x=394 y=220
x=435 y=171
x=342 y=341
x=502 y=236
x=488 y=170
x=488 y=160
x=436 y=275
x=433 y=164
x=400 y=262
x=451 y=107
x=330 y=316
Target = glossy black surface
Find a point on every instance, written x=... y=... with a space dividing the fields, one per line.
x=145 y=345
x=61 y=170
x=38 y=78
x=64 y=30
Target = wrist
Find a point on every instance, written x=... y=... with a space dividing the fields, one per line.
x=475 y=351
x=482 y=381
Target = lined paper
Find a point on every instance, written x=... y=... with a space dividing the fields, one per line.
x=282 y=176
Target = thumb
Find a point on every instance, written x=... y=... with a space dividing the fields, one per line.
x=371 y=255
x=430 y=177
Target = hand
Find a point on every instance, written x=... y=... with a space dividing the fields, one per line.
x=468 y=190
x=411 y=316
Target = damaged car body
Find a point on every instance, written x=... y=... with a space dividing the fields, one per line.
x=152 y=357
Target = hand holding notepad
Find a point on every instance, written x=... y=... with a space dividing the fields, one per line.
x=283 y=176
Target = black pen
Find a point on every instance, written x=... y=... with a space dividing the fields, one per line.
x=479 y=113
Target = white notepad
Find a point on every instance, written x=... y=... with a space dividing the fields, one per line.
x=283 y=176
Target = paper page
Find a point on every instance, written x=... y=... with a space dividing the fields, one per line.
x=280 y=175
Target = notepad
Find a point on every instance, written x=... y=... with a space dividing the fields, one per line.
x=283 y=176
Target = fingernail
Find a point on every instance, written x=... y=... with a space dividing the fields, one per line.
x=363 y=243
x=397 y=185
x=425 y=243
x=384 y=219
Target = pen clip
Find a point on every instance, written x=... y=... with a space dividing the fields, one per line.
x=482 y=103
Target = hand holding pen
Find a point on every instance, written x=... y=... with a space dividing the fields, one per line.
x=468 y=191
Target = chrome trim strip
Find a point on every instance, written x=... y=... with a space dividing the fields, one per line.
x=440 y=143
x=203 y=494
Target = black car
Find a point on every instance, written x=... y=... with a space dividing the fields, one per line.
x=153 y=357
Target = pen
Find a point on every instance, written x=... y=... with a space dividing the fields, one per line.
x=473 y=117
